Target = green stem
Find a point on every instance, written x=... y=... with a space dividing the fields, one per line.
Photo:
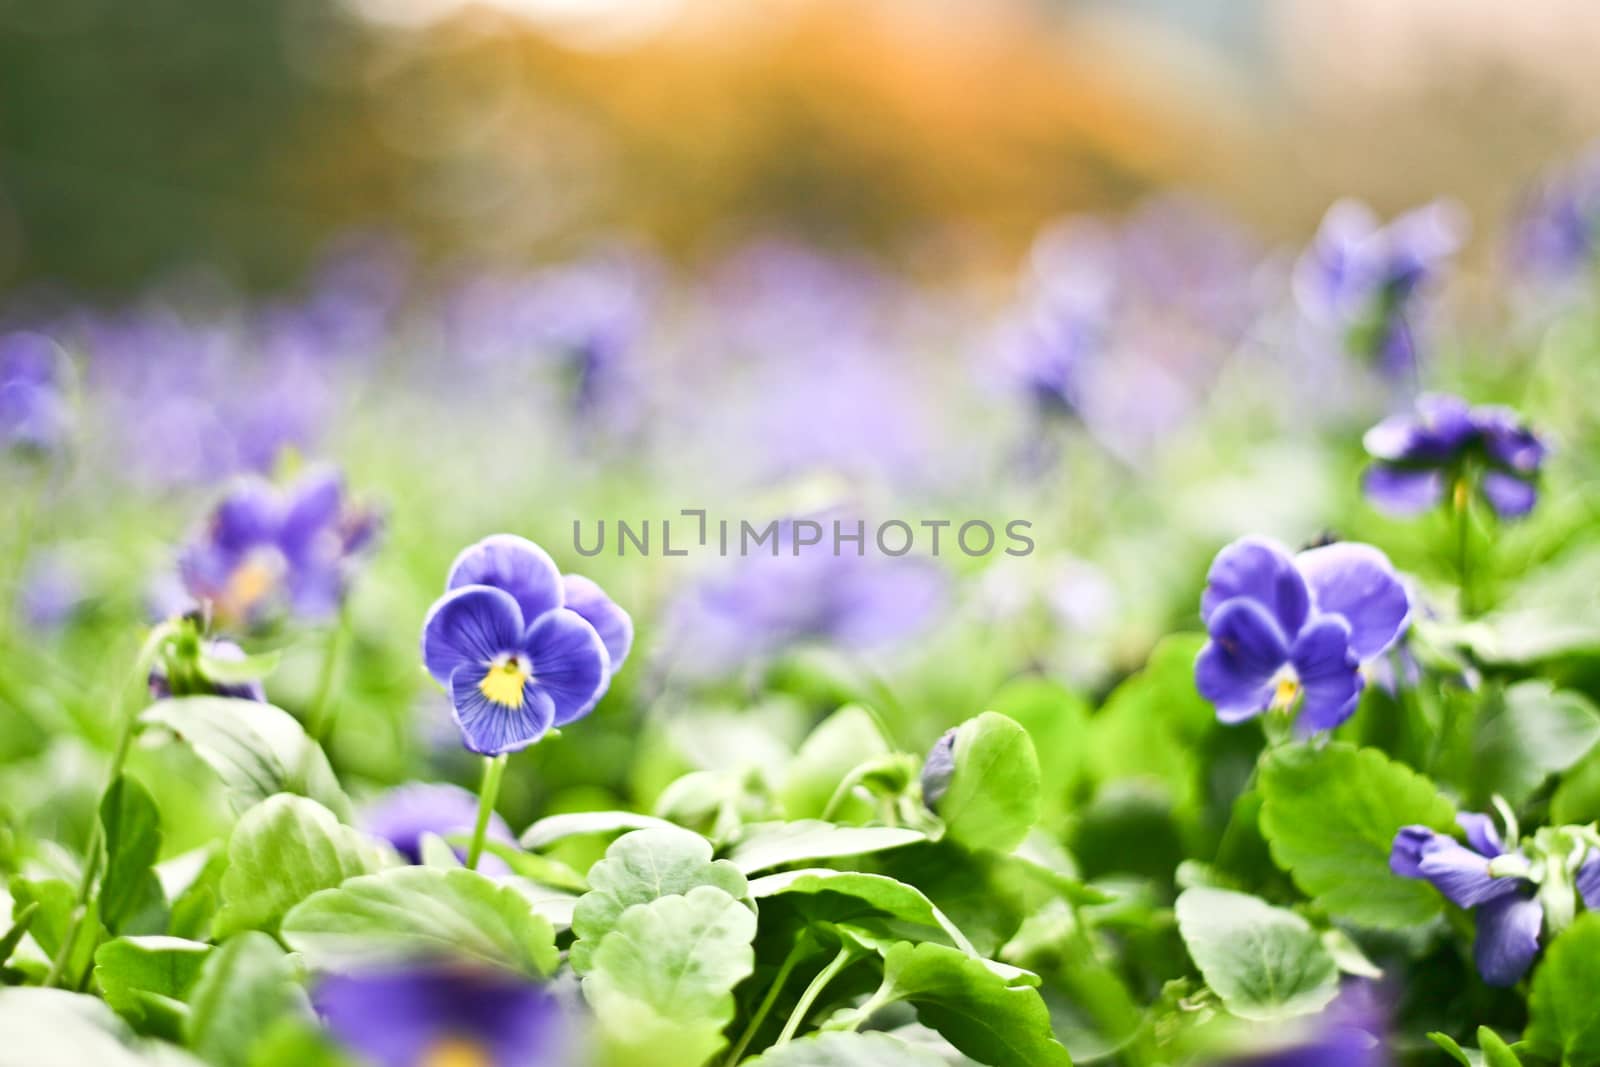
x=779 y=980
x=119 y=755
x=323 y=712
x=846 y=956
x=494 y=767
x=1463 y=510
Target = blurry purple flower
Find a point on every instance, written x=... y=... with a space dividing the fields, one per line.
x=1557 y=232
x=764 y=605
x=514 y=655
x=1508 y=915
x=33 y=410
x=52 y=591
x=265 y=550
x=443 y=1013
x=938 y=769
x=1287 y=630
x=403 y=814
x=1364 y=280
x=1448 y=445
x=192 y=682
x=1350 y=1032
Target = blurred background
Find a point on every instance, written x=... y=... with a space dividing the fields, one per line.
x=137 y=140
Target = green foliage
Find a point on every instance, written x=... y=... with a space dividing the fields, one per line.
x=406 y=913
x=243 y=989
x=1529 y=732
x=132 y=828
x=1564 y=1013
x=1330 y=815
x=1264 y=962
x=147 y=980
x=763 y=846
x=993 y=797
x=847 y=1050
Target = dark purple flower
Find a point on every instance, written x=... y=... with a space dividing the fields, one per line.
x=514 y=655
x=1362 y=279
x=444 y=1014
x=1448 y=445
x=1509 y=917
x=403 y=814
x=1295 y=629
x=33 y=408
x=189 y=678
x=265 y=550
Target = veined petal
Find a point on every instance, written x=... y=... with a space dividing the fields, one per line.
x=489 y=727
x=1481 y=833
x=1588 y=881
x=514 y=564
x=613 y=624
x=1462 y=875
x=1357 y=583
x=569 y=663
x=1329 y=672
x=1405 y=855
x=1234 y=671
x=1508 y=939
x=1402 y=490
x=470 y=625
x=1260 y=570
x=1511 y=497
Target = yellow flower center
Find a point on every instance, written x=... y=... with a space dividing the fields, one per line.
x=456 y=1052
x=504 y=681
x=1287 y=689
x=251 y=582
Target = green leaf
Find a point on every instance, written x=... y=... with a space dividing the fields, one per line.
x=662 y=982
x=973 y=1007
x=839 y=744
x=256 y=749
x=553 y=828
x=56 y=900
x=1057 y=721
x=1264 y=962
x=1496 y=1053
x=405 y=913
x=1563 y=1011
x=763 y=846
x=1530 y=732
x=640 y=867
x=147 y=979
x=847 y=1050
x=841 y=896
x=132 y=825
x=238 y=671
x=993 y=797
x=1330 y=815
x=246 y=985
x=54 y=1028
x=21 y=919
x=1154 y=725
x=1449 y=1045
x=282 y=851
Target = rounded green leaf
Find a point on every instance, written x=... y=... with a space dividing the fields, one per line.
x=661 y=984
x=246 y=986
x=763 y=846
x=993 y=797
x=847 y=1050
x=1563 y=1010
x=839 y=896
x=421 y=912
x=1264 y=962
x=1330 y=815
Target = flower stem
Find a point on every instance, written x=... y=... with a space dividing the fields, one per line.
x=846 y=956
x=778 y=981
x=119 y=755
x=323 y=711
x=494 y=767
x=1463 y=509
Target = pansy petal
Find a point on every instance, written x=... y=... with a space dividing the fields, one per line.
x=1508 y=939
x=251 y=514
x=1462 y=875
x=1405 y=855
x=1481 y=833
x=491 y=728
x=405 y=813
x=1402 y=490
x=1234 y=671
x=1357 y=583
x=569 y=662
x=1330 y=677
x=1510 y=497
x=1259 y=570
x=514 y=564
x=600 y=611
x=1588 y=881
x=1507 y=440
x=313 y=510
x=471 y=625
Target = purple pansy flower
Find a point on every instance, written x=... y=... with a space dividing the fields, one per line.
x=1448 y=445
x=403 y=814
x=1350 y=1032
x=518 y=647
x=33 y=410
x=266 y=549
x=1295 y=629
x=1363 y=279
x=443 y=1013
x=1557 y=233
x=1509 y=916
